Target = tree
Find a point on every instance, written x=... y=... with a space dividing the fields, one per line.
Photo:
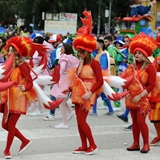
x=7 y=12
x=25 y=9
x=36 y=7
x=122 y=8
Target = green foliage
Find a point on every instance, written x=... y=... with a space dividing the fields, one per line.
x=7 y=11
x=122 y=8
x=27 y=8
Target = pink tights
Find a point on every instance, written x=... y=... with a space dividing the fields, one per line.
x=64 y=108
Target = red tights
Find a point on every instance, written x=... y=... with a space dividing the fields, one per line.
x=83 y=127
x=10 y=126
x=139 y=126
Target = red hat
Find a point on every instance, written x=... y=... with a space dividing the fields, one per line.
x=85 y=40
x=143 y=43
x=25 y=46
x=55 y=38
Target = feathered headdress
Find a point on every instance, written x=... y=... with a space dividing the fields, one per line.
x=85 y=40
x=143 y=43
x=24 y=46
x=158 y=41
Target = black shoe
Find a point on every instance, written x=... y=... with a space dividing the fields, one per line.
x=128 y=128
x=123 y=118
x=73 y=107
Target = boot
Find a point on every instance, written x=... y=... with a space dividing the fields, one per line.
x=134 y=147
x=145 y=148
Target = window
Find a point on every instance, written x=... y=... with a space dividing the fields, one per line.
x=142 y=22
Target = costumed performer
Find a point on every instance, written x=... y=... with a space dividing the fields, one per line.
x=141 y=46
x=154 y=114
x=19 y=95
x=88 y=80
x=66 y=61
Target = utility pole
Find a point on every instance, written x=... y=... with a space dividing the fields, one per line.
x=99 y=19
x=33 y=21
x=109 y=18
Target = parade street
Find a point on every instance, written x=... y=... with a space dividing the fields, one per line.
x=49 y=143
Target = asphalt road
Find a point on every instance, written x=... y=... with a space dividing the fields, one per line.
x=49 y=143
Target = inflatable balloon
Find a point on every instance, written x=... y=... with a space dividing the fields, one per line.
x=2 y=31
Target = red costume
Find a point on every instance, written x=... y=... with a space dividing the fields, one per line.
x=17 y=103
x=154 y=114
x=15 y=99
x=88 y=81
x=144 y=81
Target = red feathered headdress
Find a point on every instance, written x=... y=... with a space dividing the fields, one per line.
x=85 y=40
x=24 y=46
x=143 y=43
x=158 y=41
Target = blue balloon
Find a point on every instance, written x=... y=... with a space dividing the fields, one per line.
x=36 y=34
x=148 y=30
x=2 y=31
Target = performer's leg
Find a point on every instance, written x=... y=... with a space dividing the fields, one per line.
x=95 y=107
x=39 y=107
x=81 y=133
x=52 y=111
x=126 y=112
x=63 y=110
x=1 y=108
x=70 y=113
x=10 y=127
x=156 y=139
x=141 y=118
x=82 y=115
x=124 y=116
x=157 y=127
x=68 y=108
x=135 y=131
x=108 y=102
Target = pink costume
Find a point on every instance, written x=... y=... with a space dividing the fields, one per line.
x=66 y=62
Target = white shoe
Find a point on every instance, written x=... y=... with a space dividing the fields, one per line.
x=69 y=116
x=117 y=108
x=33 y=105
x=36 y=113
x=61 y=126
x=102 y=107
x=49 y=118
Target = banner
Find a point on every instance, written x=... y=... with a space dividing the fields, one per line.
x=68 y=17
x=60 y=27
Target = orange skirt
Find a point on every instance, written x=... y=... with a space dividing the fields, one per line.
x=154 y=114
